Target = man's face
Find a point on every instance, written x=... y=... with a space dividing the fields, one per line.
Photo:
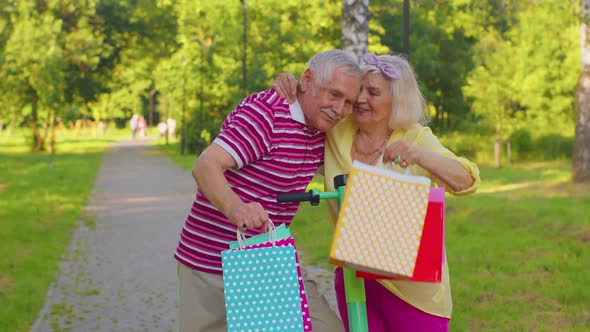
x=325 y=104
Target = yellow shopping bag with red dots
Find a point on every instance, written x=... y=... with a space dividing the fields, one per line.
x=380 y=221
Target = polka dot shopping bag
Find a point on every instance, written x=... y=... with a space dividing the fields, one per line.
x=263 y=285
x=380 y=221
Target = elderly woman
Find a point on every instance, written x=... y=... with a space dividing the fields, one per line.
x=387 y=125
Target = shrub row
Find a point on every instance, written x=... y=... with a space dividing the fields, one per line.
x=524 y=147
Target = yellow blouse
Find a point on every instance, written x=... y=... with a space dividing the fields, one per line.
x=433 y=298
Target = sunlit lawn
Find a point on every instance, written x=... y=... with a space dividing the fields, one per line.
x=39 y=208
x=518 y=250
x=172 y=149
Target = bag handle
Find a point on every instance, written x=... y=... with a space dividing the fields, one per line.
x=272 y=234
x=408 y=171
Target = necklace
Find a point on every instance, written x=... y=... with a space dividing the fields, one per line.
x=369 y=157
x=366 y=160
x=366 y=153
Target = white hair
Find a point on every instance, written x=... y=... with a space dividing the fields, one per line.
x=323 y=65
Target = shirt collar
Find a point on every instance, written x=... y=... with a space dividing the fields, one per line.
x=297 y=112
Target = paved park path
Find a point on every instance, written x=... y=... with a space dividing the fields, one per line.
x=118 y=273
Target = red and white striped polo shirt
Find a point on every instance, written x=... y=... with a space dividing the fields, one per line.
x=275 y=152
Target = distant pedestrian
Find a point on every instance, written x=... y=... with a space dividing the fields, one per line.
x=162 y=128
x=133 y=124
x=141 y=125
x=171 y=127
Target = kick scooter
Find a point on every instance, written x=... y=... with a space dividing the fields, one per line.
x=354 y=287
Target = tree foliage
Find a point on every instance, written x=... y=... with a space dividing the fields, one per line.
x=526 y=76
x=486 y=65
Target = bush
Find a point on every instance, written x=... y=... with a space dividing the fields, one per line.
x=480 y=148
x=468 y=145
x=522 y=145
x=555 y=146
x=194 y=143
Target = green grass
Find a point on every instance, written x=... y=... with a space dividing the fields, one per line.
x=39 y=208
x=172 y=150
x=518 y=250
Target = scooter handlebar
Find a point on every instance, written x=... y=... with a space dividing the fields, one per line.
x=310 y=196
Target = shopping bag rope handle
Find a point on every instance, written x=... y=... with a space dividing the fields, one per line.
x=408 y=170
x=272 y=234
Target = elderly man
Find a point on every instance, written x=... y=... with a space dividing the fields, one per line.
x=266 y=146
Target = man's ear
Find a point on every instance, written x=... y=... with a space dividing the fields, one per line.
x=306 y=80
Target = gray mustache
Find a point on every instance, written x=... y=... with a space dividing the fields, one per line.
x=332 y=115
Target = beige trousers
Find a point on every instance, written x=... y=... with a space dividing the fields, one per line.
x=202 y=306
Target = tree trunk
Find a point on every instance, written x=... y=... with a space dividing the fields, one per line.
x=355 y=27
x=244 y=49
x=53 y=122
x=581 y=155
x=497 y=153
x=47 y=125
x=38 y=143
x=12 y=124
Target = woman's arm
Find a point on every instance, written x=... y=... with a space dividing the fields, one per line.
x=448 y=171
x=458 y=174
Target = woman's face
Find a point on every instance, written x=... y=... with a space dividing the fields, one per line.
x=375 y=102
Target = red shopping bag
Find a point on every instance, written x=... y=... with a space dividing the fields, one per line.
x=431 y=251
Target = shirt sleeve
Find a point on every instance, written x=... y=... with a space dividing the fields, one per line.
x=427 y=140
x=246 y=134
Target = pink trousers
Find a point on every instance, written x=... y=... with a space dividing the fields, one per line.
x=388 y=313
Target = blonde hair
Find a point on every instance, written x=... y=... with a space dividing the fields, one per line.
x=409 y=106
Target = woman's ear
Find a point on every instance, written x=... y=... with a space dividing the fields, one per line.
x=306 y=80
